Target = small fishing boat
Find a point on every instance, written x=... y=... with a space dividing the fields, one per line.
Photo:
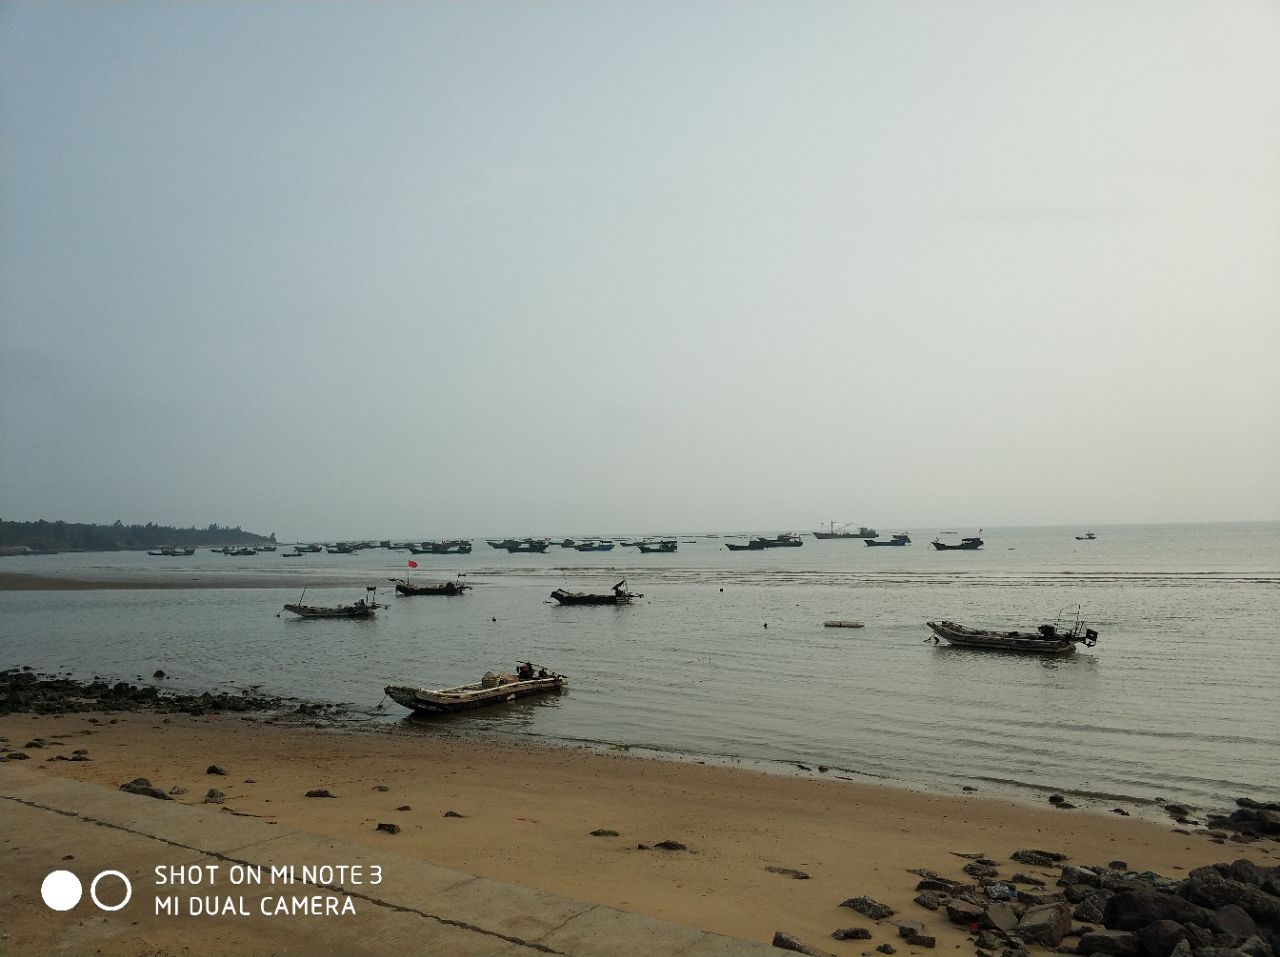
x=491 y=689
x=361 y=608
x=451 y=547
x=649 y=548
x=527 y=546
x=902 y=538
x=1045 y=640
x=842 y=531
x=970 y=544
x=753 y=545
x=293 y=554
x=619 y=596
x=842 y=623
x=1087 y=537
x=594 y=546
x=405 y=587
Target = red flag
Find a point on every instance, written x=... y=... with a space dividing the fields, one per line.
x=412 y=563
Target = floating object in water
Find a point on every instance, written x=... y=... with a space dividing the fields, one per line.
x=841 y=623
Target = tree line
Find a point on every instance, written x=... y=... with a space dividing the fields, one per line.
x=61 y=536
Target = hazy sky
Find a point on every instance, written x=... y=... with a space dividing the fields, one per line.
x=338 y=269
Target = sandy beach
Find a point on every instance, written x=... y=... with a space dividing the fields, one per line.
x=527 y=814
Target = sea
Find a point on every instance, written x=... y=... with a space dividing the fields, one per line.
x=726 y=658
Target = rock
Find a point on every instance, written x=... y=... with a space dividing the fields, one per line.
x=214 y=769
x=908 y=927
x=887 y=949
x=1132 y=910
x=1113 y=943
x=177 y=790
x=1021 y=878
x=1000 y=892
x=1046 y=924
x=453 y=814
x=1231 y=920
x=380 y=787
x=869 y=908
x=1091 y=909
x=1065 y=806
x=320 y=793
x=990 y=939
x=1181 y=949
x=922 y=940
x=144 y=787
x=1078 y=875
x=159 y=674
x=214 y=796
x=604 y=832
x=930 y=900
x=851 y=933
x=37 y=743
x=788 y=872
x=404 y=807
x=938 y=884
x=1121 y=811
x=1118 y=866
x=1160 y=937
x=1056 y=799
x=17 y=756
x=787 y=942
x=1038 y=858
x=1037 y=897
x=672 y=846
x=389 y=828
x=962 y=912
x=1002 y=916
x=1212 y=890
x=975 y=869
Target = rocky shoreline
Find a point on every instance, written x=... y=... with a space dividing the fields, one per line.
x=24 y=691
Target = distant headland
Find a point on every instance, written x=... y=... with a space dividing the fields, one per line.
x=42 y=537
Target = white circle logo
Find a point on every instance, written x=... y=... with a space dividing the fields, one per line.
x=61 y=890
x=93 y=890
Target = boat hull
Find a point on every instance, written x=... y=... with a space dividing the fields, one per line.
x=584 y=598
x=346 y=611
x=1021 y=642
x=968 y=545
x=439 y=588
x=427 y=701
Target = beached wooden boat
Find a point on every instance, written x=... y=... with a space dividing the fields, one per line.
x=1045 y=640
x=361 y=608
x=405 y=587
x=491 y=689
x=619 y=596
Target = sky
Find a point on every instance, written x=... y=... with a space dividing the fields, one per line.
x=338 y=269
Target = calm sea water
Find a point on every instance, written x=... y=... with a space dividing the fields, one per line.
x=1178 y=700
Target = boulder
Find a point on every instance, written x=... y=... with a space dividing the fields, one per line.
x=1132 y=910
x=1214 y=891
x=1078 y=875
x=975 y=869
x=1113 y=943
x=851 y=933
x=790 y=872
x=1230 y=920
x=1045 y=925
x=930 y=900
x=1038 y=858
x=1036 y=897
x=922 y=940
x=1002 y=916
x=1160 y=937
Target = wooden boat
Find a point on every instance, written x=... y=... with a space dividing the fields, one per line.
x=902 y=538
x=970 y=544
x=753 y=545
x=619 y=596
x=491 y=689
x=1045 y=640
x=293 y=554
x=404 y=587
x=594 y=546
x=527 y=546
x=785 y=540
x=362 y=608
x=451 y=547
x=1087 y=537
x=842 y=623
x=648 y=548
x=842 y=531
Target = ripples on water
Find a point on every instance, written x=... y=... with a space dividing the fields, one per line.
x=1176 y=701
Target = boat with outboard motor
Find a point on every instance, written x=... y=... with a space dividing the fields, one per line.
x=491 y=689
x=970 y=544
x=902 y=538
x=1045 y=640
x=361 y=608
x=619 y=596
x=406 y=587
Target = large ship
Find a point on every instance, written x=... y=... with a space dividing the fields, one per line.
x=843 y=531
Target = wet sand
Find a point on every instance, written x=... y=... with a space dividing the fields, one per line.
x=528 y=813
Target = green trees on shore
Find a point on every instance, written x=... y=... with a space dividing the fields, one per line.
x=45 y=536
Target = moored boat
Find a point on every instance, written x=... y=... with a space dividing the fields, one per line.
x=594 y=546
x=619 y=596
x=664 y=546
x=405 y=587
x=970 y=544
x=842 y=531
x=527 y=546
x=902 y=538
x=1087 y=537
x=1045 y=640
x=361 y=608
x=491 y=689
